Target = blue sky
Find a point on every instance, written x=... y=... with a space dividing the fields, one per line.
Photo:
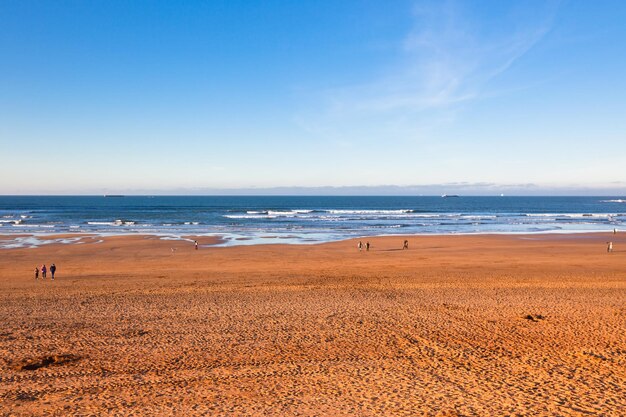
x=484 y=97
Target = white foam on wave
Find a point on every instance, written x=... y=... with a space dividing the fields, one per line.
x=118 y=222
x=391 y=226
x=249 y=216
x=268 y=214
x=287 y=212
x=365 y=215
x=369 y=211
x=571 y=215
x=431 y=216
x=20 y=225
x=613 y=201
x=279 y=212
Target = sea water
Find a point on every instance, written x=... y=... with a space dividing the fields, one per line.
x=297 y=219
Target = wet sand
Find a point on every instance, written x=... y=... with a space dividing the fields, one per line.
x=453 y=326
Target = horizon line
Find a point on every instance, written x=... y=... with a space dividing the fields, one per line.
x=310 y=195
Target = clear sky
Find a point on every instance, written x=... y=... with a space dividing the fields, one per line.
x=198 y=97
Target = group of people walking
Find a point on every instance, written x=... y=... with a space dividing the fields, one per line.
x=405 y=245
x=44 y=271
x=361 y=246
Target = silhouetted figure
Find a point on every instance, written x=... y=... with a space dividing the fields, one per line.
x=36 y=273
x=360 y=246
x=195 y=242
x=53 y=269
x=43 y=271
x=405 y=245
x=367 y=246
x=609 y=247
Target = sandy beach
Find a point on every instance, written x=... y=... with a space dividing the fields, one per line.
x=484 y=325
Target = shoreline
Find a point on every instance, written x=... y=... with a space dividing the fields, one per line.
x=11 y=241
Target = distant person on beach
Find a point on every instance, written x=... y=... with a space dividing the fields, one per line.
x=360 y=246
x=367 y=246
x=614 y=231
x=53 y=269
x=36 y=273
x=43 y=271
x=195 y=242
x=405 y=245
x=609 y=247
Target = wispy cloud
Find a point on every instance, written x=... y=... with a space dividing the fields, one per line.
x=447 y=59
x=450 y=57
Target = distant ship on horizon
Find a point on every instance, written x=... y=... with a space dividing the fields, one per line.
x=449 y=196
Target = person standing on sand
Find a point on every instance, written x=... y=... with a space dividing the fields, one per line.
x=367 y=246
x=405 y=245
x=609 y=247
x=360 y=246
x=195 y=242
x=53 y=269
x=43 y=271
x=36 y=273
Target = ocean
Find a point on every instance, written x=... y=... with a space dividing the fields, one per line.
x=295 y=219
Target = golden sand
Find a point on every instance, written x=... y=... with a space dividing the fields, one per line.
x=453 y=326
